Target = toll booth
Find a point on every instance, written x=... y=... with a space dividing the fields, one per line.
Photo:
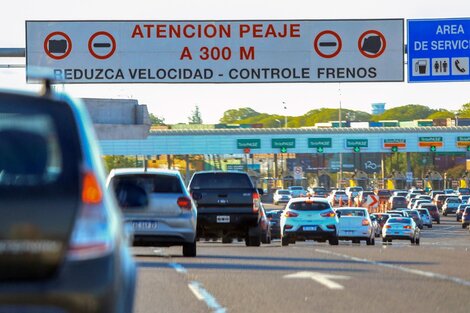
x=396 y=180
x=433 y=180
x=323 y=179
x=359 y=178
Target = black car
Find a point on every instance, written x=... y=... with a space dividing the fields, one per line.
x=274 y=217
x=63 y=245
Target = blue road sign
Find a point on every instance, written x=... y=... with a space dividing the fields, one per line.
x=438 y=50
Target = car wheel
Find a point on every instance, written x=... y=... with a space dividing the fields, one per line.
x=370 y=241
x=189 y=249
x=333 y=241
x=226 y=239
x=412 y=240
x=430 y=226
x=417 y=241
x=284 y=241
x=463 y=225
x=444 y=213
x=438 y=221
x=356 y=241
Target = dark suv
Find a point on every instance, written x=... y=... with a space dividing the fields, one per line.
x=228 y=206
x=63 y=247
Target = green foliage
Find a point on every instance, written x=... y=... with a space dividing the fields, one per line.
x=464 y=112
x=442 y=113
x=118 y=161
x=195 y=117
x=405 y=113
x=236 y=115
x=156 y=120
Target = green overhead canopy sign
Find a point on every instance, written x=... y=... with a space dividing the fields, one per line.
x=359 y=143
x=430 y=139
x=283 y=143
x=319 y=142
x=249 y=143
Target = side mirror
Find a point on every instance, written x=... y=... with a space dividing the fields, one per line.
x=338 y=214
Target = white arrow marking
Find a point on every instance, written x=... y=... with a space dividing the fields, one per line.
x=324 y=279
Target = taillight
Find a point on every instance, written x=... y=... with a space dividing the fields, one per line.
x=328 y=214
x=288 y=226
x=184 y=203
x=407 y=227
x=365 y=222
x=388 y=226
x=291 y=214
x=256 y=202
x=91 y=235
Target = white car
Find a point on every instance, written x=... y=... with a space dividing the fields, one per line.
x=355 y=225
x=281 y=196
x=309 y=219
x=400 y=228
x=297 y=191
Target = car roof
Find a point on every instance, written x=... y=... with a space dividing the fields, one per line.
x=129 y=171
x=303 y=199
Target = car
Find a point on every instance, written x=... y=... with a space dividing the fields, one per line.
x=157 y=206
x=352 y=192
x=320 y=192
x=401 y=193
x=439 y=200
x=450 y=205
x=466 y=217
x=416 y=217
x=425 y=217
x=381 y=219
x=459 y=212
x=464 y=198
x=400 y=228
x=396 y=202
x=433 y=193
x=418 y=202
x=274 y=218
x=411 y=196
x=432 y=209
x=449 y=191
x=297 y=191
x=403 y=212
x=228 y=206
x=463 y=191
x=338 y=197
x=265 y=226
x=384 y=194
x=309 y=219
x=355 y=225
x=64 y=247
x=281 y=196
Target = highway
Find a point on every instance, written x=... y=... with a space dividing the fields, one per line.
x=311 y=276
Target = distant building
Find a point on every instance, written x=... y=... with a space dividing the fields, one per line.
x=378 y=108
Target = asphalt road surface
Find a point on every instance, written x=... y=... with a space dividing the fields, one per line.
x=311 y=276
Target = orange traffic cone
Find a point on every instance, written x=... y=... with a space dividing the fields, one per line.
x=340 y=202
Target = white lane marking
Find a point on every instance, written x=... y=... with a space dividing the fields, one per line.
x=400 y=268
x=321 y=278
x=178 y=267
x=203 y=295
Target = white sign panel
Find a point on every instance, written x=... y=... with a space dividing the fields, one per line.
x=287 y=51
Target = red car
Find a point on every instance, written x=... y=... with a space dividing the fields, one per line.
x=433 y=210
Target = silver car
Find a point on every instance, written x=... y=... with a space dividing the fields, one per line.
x=425 y=217
x=157 y=206
x=400 y=228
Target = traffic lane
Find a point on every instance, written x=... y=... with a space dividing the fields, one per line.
x=160 y=288
x=252 y=279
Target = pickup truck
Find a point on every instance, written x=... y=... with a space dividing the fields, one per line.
x=228 y=206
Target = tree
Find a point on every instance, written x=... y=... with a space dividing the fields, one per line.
x=156 y=120
x=442 y=113
x=234 y=115
x=195 y=117
x=408 y=112
x=464 y=112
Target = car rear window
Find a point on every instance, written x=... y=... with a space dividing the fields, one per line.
x=283 y=192
x=340 y=193
x=151 y=183
x=351 y=212
x=399 y=220
x=221 y=181
x=309 y=206
x=39 y=145
x=431 y=208
x=296 y=188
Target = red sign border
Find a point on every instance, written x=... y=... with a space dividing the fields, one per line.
x=334 y=34
x=381 y=51
x=90 y=47
x=55 y=57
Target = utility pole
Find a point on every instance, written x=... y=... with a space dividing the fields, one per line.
x=340 y=154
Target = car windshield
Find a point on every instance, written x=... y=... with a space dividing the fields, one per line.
x=309 y=206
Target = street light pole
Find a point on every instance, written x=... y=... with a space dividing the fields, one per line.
x=285 y=114
x=340 y=154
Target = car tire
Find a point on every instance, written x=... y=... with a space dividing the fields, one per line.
x=430 y=226
x=284 y=241
x=444 y=213
x=333 y=241
x=226 y=239
x=370 y=241
x=356 y=241
x=189 y=249
x=412 y=240
x=417 y=241
x=438 y=221
x=464 y=226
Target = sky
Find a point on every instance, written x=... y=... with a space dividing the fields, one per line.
x=176 y=102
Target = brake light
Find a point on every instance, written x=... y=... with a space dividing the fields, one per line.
x=256 y=202
x=91 y=191
x=365 y=222
x=388 y=226
x=91 y=234
x=407 y=227
x=291 y=214
x=328 y=214
x=184 y=203
x=288 y=226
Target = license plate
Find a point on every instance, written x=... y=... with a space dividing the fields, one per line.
x=143 y=225
x=223 y=219
x=310 y=228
